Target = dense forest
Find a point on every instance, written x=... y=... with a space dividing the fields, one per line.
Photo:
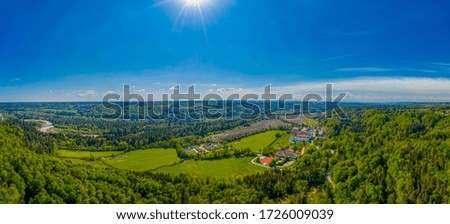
x=395 y=154
x=80 y=127
x=391 y=156
x=28 y=177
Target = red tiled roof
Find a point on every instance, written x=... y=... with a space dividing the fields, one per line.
x=266 y=160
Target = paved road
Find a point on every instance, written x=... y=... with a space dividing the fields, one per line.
x=285 y=165
x=44 y=128
x=256 y=164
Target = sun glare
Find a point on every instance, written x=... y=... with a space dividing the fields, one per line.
x=193 y=10
x=195 y=2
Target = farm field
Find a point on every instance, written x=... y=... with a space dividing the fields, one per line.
x=143 y=160
x=218 y=169
x=87 y=154
x=257 y=142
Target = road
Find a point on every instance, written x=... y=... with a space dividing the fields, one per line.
x=46 y=127
x=256 y=164
x=285 y=165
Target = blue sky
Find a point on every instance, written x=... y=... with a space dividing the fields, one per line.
x=79 y=50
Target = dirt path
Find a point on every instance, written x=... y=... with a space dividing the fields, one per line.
x=330 y=180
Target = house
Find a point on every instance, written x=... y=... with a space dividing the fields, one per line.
x=320 y=133
x=306 y=134
x=1 y=117
x=211 y=146
x=267 y=160
x=200 y=149
x=287 y=153
x=301 y=136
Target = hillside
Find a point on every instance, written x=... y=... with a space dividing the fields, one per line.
x=378 y=155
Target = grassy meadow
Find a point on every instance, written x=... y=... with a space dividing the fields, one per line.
x=257 y=142
x=142 y=160
x=87 y=154
x=219 y=169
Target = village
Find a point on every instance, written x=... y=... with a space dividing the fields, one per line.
x=203 y=148
x=287 y=156
x=282 y=158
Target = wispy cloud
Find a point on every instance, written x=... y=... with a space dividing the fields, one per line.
x=380 y=89
x=338 y=57
x=441 y=66
x=16 y=79
x=364 y=69
x=374 y=89
x=423 y=70
x=353 y=32
x=428 y=67
x=367 y=89
x=89 y=94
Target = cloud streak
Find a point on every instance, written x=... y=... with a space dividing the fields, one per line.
x=89 y=94
x=364 y=69
x=380 y=89
x=369 y=89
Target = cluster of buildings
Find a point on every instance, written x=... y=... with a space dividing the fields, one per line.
x=203 y=148
x=306 y=134
x=287 y=153
x=284 y=153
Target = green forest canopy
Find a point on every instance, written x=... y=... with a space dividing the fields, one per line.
x=389 y=155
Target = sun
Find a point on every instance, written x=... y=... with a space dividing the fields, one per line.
x=198 y=4
x=195 y=11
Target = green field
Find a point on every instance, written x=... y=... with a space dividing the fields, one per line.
x=311 y=122
x=283 y=141
x=225 y=168
x=163 y=161
x=87 y=154
x=143 y=160
x=95 y=163
x=256 y=142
